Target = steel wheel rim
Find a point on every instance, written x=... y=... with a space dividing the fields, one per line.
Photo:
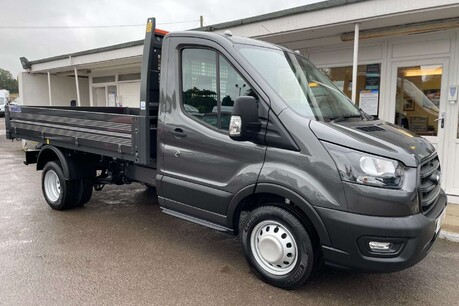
x=274 y=247
x=52 y=185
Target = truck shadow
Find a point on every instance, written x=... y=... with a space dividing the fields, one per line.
x=330 y=285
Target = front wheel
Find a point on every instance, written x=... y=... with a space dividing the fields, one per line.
x=277 y=247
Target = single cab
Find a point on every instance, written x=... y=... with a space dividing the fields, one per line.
x=249 y=138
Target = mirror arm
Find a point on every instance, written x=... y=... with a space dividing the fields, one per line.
x=254 y=127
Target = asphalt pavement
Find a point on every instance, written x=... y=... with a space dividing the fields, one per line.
x=120 y=249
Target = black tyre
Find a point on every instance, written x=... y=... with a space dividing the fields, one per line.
x=86 y=194
x=59 y=193
x=150 y=187
x=278 y=247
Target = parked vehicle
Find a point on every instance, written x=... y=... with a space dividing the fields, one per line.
x=17 y=101
x=4 y=96
x=300 y=172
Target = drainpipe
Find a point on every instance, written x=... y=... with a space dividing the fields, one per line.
x=77 y=86
x=49 y=90
x=355 y=63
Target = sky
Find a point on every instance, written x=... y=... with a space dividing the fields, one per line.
x=23 y=23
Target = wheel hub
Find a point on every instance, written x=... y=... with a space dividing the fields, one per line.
x=274 y=247
x=270 y=249
x=52 y=185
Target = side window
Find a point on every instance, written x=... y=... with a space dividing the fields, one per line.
x=203 y=97
x=199 y=84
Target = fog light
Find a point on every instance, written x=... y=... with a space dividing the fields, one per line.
x=380 y=246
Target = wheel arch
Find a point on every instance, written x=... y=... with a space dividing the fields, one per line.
x=51 y=153
x=73 y=165
x=253 y=196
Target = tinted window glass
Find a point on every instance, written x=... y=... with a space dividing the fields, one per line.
x=232 y=85
x=199 y=83
x=203 y=98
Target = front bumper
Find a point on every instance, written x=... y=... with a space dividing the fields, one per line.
x=348 y=232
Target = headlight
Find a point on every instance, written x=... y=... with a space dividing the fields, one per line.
x=366 y=169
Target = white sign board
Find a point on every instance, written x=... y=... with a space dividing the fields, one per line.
x=368 y=101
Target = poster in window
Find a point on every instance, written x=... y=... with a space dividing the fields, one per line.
x=372 y=77
x=368 y=101
x=408 y=104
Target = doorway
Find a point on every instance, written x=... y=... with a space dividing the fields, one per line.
x=419 y=101
x=99 y=96
x=105 y=95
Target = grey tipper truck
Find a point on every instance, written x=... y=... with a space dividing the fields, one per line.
x=251 y=139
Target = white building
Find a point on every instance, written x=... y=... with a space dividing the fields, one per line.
x=408 y=62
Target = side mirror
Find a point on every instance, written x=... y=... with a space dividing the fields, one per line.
x=244 y=122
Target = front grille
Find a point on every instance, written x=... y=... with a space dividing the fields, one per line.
x=430 y=183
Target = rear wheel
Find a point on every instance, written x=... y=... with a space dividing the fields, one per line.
x=277 y=247
x=87 y=186
x=59 y=193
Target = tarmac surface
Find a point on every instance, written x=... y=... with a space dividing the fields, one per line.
x=120 y=249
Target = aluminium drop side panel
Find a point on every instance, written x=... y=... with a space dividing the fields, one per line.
x=108 y=134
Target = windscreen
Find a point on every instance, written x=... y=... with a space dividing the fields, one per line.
x=2 y=101
x=303 y=87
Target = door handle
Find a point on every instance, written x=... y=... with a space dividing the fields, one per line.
x=441 y=119
x=178 y=133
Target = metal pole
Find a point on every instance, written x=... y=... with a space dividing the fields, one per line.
x=355 y=63
x=201 y=21
x=49 y=90
x=77 y=86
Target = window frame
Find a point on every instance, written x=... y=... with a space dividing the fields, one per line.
x=218 y=54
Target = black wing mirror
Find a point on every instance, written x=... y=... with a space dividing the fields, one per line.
x=244 y=123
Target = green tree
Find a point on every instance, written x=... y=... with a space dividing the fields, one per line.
x=203 y=100
x=7 y=81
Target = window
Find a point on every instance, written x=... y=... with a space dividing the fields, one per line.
x=129 y=77
x=203 y=97
x=104 y=79
x=418 y=98
x=368 y=82
x=304 y=88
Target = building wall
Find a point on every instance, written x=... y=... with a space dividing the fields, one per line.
x=127 y=92
x=33 y=88
x=389 y=52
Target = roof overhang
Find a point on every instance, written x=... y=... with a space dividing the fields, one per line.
x=297 y=28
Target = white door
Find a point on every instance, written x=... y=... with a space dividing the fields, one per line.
x=419 y=97
x=452 y=149
x=129 y=94
x=99 y=96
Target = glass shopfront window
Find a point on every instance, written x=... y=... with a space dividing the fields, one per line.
x=418 y=98
x=368 y=84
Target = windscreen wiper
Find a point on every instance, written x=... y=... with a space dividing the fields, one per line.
x=345 y=117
